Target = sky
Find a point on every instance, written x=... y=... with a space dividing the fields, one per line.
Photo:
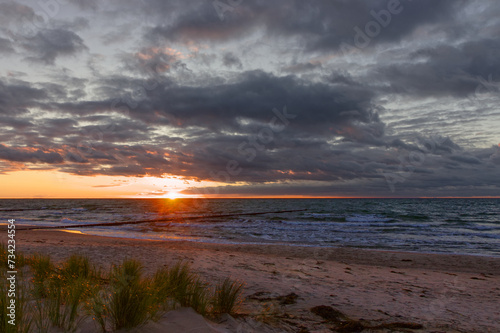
x=249 y=98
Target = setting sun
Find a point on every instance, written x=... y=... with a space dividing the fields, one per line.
x=173 y=195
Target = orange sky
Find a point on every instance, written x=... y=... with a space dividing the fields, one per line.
x=53 y=184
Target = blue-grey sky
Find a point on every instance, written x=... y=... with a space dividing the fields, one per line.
x=264 y=97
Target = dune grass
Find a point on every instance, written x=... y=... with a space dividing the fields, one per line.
x=226 y=296
x=63 y=295
x=59 y=292
x=131 y=302
x=64 y=302
x=76 y=266
x=41 y=268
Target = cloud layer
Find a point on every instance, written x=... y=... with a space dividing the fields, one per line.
x=324 y=98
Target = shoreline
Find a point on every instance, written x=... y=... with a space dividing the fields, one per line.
x=455 y=293
x=466 y=262
x=269 y=244
x=278 y=243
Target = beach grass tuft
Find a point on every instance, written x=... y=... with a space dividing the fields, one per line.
x=179 y=280
x=76 y=266
x=64 y=301
x=42 y=267
x=199 y=296
x=131 y=302
x=226 y=296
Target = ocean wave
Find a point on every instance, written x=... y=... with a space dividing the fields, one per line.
x=434 y=225
x=416 y=217
x=65 y=220
x=367 y=218
x=318 y=214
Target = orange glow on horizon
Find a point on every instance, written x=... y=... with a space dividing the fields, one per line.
x=50 y=184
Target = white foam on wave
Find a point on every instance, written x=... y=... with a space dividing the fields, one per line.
x=318 y=214
x=69 y=221
x=367 y=218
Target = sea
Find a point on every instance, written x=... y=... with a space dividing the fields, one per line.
x=458 y=226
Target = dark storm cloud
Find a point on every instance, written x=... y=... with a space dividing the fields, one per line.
x=15 y=122
x=57 y=128
x=466 y=159
x=324 y=109
x=445 y=70
x=13 y=13
x=337 y=22
x=433 y=177
x=17 y=96
x=48 y=44
x=119 y=131
x=243 y=104
x=320 y=24
x=197 y=22
x=230 y=60
x=153 y=61
x=85 y=4
x=6 y=46
x=78 y=23
x=29 y=155
x=118 y=160
x=214 y=121
x=73 y=88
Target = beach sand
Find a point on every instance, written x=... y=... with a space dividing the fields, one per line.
x=444 y=293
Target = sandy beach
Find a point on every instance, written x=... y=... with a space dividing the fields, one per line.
x=443 y=293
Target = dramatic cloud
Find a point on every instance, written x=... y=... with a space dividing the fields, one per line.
x=230 y=60
x=29 y=155
x=321 y=24
x=445 y=70
x=48 y=44
x=324 y=98
x=6 y=46
x=17 y=97
x=13 y=13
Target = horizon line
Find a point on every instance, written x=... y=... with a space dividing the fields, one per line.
x=250 y=197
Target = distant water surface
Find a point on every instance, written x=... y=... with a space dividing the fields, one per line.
x=462 y=226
